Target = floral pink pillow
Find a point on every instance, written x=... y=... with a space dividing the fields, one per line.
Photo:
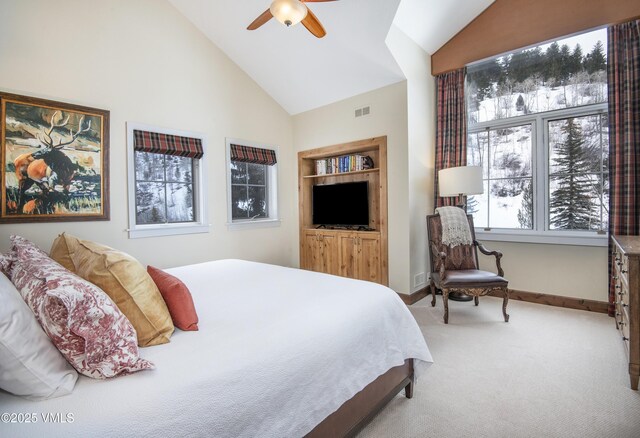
x=81 y=320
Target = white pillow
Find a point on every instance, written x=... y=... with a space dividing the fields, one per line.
x=30 y=365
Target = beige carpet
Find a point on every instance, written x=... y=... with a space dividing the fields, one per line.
x=549 y=372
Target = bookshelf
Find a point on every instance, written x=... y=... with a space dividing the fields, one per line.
x=354 y=172
x=349 y=253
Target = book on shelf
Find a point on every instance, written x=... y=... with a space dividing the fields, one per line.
x=343 y=164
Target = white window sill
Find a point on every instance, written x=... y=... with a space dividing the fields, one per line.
x=167 y=230
x=255 y=223
x=579 y=238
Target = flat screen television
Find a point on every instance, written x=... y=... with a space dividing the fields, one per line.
x=343 y=204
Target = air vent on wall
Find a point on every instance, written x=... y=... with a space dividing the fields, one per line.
x=364 y=111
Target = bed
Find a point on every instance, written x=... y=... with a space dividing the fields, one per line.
x=281 y=352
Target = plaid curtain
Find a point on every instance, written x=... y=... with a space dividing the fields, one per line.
x=623 y=64
x=145 y=141
x=247 y=154
x=451 y=127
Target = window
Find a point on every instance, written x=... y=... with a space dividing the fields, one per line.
x=249 y=191
x=505 y=155
x=252 y=184
x=538 y=127
x=578 y=173
x=166 y=182
x=164 y=189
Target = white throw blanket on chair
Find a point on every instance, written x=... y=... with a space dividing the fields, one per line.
x=455 y=226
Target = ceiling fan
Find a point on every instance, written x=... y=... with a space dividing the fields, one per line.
x=290 y=13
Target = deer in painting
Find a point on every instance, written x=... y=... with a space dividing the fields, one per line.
x=47 y=167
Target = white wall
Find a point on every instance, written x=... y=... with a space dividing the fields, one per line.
x=565 y=270
x=145 y=62
x=416 y=66
x=336 y=123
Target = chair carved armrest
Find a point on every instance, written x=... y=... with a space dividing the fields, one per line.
x=442 y=256
x=496 y=254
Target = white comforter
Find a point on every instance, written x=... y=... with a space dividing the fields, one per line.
x=278 y=350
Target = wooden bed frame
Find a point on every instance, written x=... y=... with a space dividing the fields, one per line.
x=360 y=409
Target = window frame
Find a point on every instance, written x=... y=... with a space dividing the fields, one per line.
x=541 y=232
x=201 y=224
x=273 y=218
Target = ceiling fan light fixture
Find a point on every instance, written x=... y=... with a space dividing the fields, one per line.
x=288 y=12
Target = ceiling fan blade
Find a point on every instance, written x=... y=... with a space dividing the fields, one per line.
x=262 y=19
x=313 y=25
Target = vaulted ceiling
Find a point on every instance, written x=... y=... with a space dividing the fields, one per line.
x=302 y=72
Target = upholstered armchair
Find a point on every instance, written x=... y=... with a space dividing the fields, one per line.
x=456 y=269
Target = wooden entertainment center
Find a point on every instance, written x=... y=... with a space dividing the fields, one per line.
x=346 y=252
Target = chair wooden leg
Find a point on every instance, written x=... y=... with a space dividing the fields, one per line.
x=505 y=301
x=445 y=301
x=475 y=299
x=432 y=286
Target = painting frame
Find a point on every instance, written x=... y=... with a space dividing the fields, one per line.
x=54 y=174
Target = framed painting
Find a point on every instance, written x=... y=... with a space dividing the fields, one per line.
x=54 y=161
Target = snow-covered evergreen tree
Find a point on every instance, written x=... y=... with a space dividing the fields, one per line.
x=156 y=217
x=553 y=64
x=565 y=63
x=525 y=212
x=575 y=62
x=596 y=60
x=571 y=206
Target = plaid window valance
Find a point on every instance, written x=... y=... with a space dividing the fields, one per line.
x=145 y=141
x=247 y=154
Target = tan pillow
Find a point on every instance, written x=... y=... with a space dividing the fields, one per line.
x=126 y=282
x=60 y=252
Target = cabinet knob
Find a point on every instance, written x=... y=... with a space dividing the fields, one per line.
x=624 y=271
x=624 y=338
x=620 y=323
x=625 y=305
x=617 y=313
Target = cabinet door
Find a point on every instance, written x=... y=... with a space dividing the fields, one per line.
x=311 y=255
x=320 y=253
x=368 y=258
x=348 y=253
x=328 y=246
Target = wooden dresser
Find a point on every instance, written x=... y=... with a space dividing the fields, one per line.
x=626 y=277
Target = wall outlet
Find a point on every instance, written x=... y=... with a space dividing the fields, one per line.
x=418 y=279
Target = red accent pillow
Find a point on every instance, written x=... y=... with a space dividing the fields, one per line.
x=177 y=297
